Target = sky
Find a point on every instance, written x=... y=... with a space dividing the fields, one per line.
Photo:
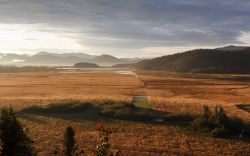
x=123 y=28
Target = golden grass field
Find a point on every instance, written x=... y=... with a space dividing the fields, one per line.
x=167 y=93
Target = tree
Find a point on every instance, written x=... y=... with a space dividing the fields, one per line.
x=206 y=112
x=220 y=117
x=69 y=141
x=14 y=139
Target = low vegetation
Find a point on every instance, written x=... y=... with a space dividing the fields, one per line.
x=69 y=106
x=128 y=111
x=15 y=69
x=86 y=65
x=117 y=110
x=179 y=117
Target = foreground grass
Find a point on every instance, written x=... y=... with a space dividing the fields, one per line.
x=133 y=135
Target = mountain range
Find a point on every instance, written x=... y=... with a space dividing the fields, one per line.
x=65 y=59
x=229 y=59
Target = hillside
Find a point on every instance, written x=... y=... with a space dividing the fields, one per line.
x=201 y=61
x=86 y=65
x=107 y=60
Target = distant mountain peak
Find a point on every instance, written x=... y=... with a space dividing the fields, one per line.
x=106 y=56
x=43 y=53
x=231 y=48
x=47 y=58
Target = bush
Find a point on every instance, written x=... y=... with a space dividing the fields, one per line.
x=14 y=138
x=217 y=123
x=204 y=122
x=103 y=148
x=219 y=117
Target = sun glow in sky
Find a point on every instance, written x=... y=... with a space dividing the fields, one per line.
x=17 y=36
x=31 y=38
x=245 y=38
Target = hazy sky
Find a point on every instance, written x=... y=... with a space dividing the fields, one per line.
x=142 y=28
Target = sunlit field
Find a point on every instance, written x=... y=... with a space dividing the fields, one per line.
x=20 y=90
x=168 y=93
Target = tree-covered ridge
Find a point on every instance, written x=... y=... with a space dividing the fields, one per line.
x=201 y=61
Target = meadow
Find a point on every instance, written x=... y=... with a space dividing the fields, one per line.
x=171 y=93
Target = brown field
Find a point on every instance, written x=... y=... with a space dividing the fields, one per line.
x=168 y=93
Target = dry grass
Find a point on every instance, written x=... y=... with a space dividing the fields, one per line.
x=20 y=90
x=174 y=94
x=190 y=94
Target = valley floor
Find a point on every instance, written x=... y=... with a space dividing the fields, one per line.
x=167 y=93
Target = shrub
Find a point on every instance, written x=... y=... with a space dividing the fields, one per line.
x=14 y=138
x=70 y=106
x=103 y=148
x=204 y=122
x=219 y=117
x=217 y=123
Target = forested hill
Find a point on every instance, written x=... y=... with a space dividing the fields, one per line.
x=201 y=61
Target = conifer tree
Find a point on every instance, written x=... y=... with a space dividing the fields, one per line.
x=69 y=141
x=14 y=139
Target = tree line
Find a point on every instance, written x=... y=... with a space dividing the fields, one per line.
x=201 y=61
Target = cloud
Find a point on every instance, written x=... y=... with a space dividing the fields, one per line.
x=134 y=24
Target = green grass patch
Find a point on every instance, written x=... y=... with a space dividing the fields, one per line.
x=110 y=111
x=244 y=107
x=129 y=111
x=55 y=108
x=143 y=104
